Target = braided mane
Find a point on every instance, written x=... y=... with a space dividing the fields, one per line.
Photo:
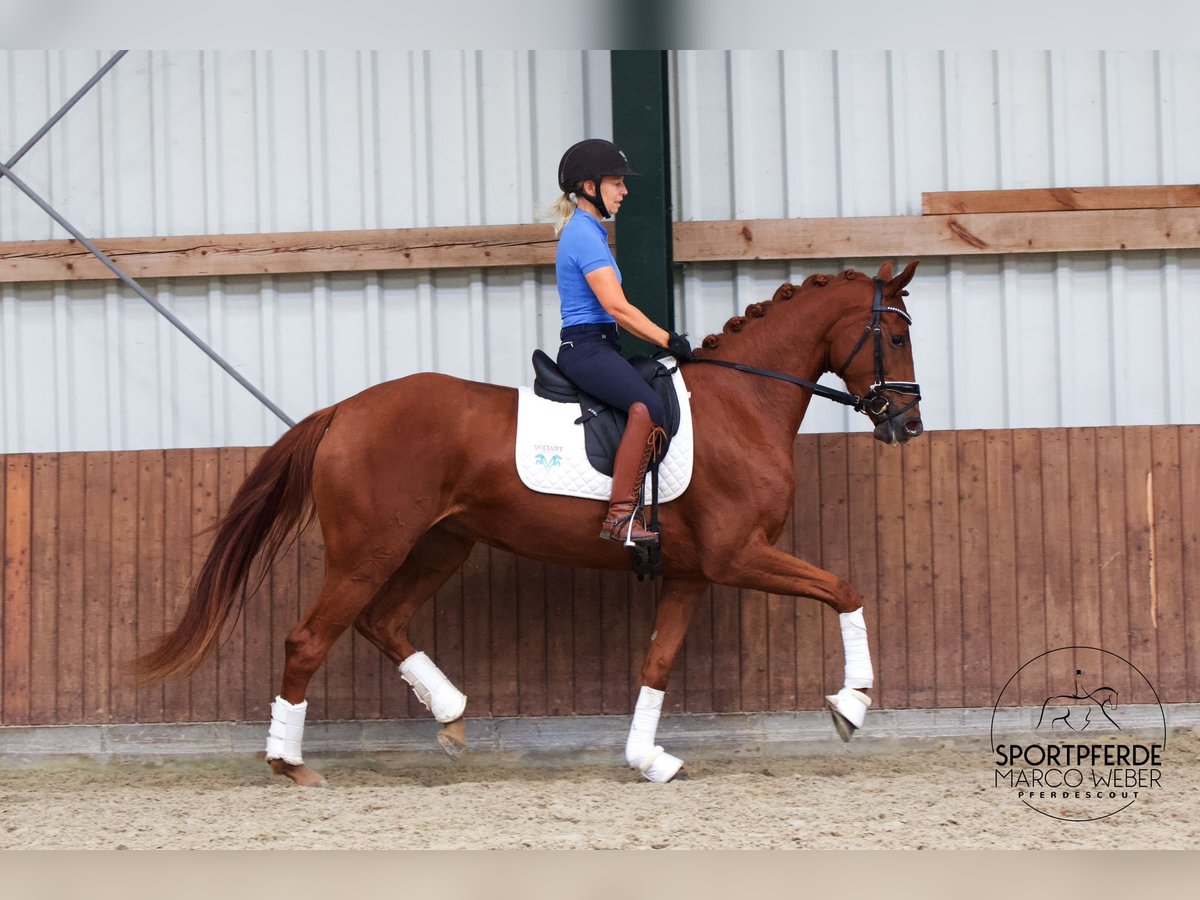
x=784 y=292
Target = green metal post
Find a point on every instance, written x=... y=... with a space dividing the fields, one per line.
x=642 y=129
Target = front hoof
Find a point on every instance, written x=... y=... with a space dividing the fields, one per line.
x=453 y=738
x=301 y=774
x=848 y=707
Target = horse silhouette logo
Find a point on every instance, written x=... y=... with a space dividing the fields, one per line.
x=550 y=462
x=1081 y=709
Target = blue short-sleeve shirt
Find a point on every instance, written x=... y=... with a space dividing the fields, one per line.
x=582 y=248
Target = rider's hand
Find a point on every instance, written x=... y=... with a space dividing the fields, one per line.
x=679 y=347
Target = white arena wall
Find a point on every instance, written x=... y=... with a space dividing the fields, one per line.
x=207 y=143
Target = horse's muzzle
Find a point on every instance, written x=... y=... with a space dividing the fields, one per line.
x=899 y=430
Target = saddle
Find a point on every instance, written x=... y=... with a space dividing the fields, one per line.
x=604 y=425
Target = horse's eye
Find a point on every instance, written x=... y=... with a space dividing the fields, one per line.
x=897 y=340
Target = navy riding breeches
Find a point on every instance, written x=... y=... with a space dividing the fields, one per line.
x=590 y=355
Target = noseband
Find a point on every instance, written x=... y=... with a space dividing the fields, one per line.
x=874 y=404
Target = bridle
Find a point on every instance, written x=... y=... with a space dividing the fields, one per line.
x=875 y=403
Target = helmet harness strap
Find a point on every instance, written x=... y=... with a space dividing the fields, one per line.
x=597 y=200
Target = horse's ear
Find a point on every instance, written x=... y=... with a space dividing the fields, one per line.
x=898 y=283
x=885 y=271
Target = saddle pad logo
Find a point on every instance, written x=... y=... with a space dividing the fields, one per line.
x=548 y=462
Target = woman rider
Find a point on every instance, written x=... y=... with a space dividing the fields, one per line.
x=594 y=310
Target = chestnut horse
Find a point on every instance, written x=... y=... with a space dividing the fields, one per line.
x=406 y=476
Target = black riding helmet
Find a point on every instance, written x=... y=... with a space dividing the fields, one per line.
x=591 y=160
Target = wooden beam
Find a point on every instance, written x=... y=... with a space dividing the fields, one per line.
x=1154 y=196
x=283 y=253
x=488 y=246
x=921 y=236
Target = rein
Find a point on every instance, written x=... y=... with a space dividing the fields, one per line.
x=874 y=403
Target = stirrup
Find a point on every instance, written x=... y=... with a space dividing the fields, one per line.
x=622 y=530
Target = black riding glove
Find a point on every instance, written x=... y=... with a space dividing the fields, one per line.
x=679 y=347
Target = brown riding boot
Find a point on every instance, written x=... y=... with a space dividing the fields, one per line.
x=642 y=437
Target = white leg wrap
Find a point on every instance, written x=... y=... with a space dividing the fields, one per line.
x=287 y=731
x=433 y=688
x=640 y=751
x=859 y=673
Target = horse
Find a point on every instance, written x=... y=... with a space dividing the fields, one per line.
x=406 y=476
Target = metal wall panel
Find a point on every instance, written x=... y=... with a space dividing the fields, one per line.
x=226 y=142
x=184 y=143
x=1001 y=341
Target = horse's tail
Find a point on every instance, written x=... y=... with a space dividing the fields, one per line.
x=268 y=508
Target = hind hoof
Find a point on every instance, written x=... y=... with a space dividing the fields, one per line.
x=453 y=738
x=301 y=775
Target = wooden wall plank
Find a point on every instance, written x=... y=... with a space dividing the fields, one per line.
x=123 y=587
x=1002 y=559
x=560 y=641
x=1189 y=502
x=947 y=568
x=918 y=575
x=4 y=544
x=471 y=246
x=177 y=568
x=978 y=689
x=920 y=236
x=1031 y=565
x=862 y=511
x=259 y=678
x=43 y=696
x=17 y=588
x=587 y=665
x=69 y=677
x=1056 y=546
x=727 y=660
x=1149 y=196
x=205 y=507
x=1143 y=619
x=1112 y=569
x=891 y=654
x=231 y=651
x=477 y=632
x=533 y=245
x=532 y=699
x=151 y=544
x=97 y=586
x=809 y=615
x=1085 y=539
x=504 y=591
x=695 y=670
x=1168 y=565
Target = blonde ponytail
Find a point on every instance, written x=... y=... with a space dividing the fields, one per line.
x=561 y=210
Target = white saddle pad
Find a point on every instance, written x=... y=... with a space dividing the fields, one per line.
x=551 y=457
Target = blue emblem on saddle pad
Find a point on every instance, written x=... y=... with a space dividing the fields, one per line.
x=550 y=463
